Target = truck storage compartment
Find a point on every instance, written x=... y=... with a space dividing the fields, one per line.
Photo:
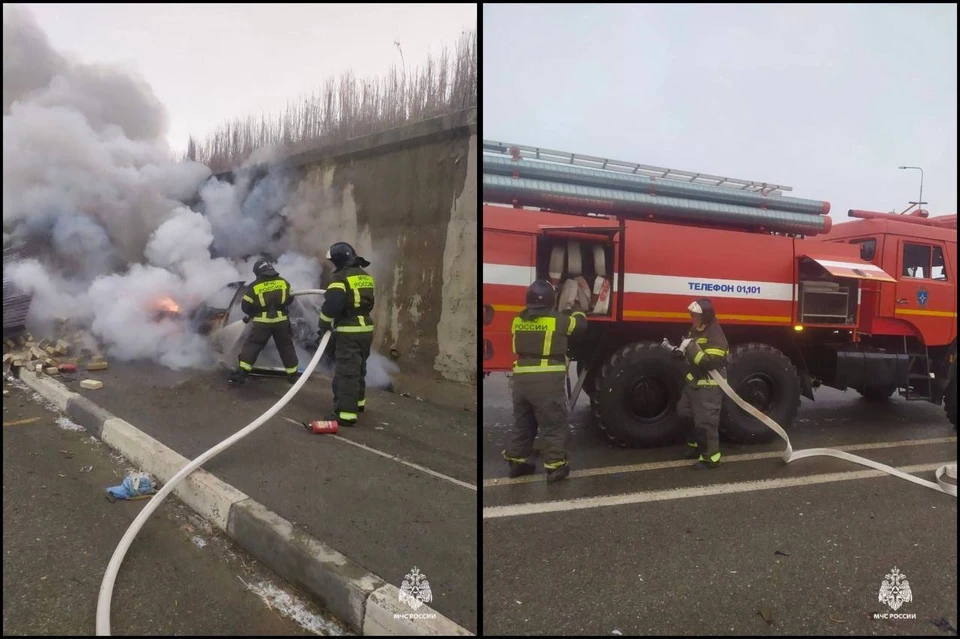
x=846 y=366
x=825 y=299
x=580 y=266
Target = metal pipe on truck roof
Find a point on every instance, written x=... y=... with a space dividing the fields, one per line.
x=508 y=190
x=536 y=170
x=895 y=217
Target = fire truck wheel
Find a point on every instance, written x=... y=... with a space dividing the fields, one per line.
x=636 y=394
x=878 y=393
x=766 y=378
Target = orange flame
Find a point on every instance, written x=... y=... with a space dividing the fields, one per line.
x=166 y=305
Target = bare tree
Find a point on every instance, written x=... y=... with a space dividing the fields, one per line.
x=348 y=107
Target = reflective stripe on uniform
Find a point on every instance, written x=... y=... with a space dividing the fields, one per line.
x=266 y=287
x=716 y=352
x=573 y=322
x=362 y=403
x=247 y=298
x=356 y=283
x=263 y=319
x=692 y=444
x=701 y=340
x=701 y=382
x=556 y=368
x=339 y=285
x=246 y=367
x=714 y=457
x=355 y=329
x=348 y=416
x=329 y=320
x=547 y=343
x=515 y=460
x=554 y=465
x=698 y=357
x=292 y=369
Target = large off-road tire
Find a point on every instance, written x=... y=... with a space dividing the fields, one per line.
x=636 y=394
x=766 y=378
x=878 y=393
x=950 y=399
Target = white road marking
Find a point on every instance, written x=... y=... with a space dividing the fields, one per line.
x=406 y=463
x=633 y=468
x=496 y=512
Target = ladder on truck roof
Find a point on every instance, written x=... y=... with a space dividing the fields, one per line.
x=646 y=170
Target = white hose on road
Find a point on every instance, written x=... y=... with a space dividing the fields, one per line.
x=789 y=455
x=106 y=586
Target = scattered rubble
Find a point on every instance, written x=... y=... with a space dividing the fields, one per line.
x=52 y=356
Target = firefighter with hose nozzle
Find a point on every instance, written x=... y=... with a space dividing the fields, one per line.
x=705 y=349
x=540 y=336
x=266 y=303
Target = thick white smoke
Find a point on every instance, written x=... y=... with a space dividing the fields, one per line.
x=87 y=171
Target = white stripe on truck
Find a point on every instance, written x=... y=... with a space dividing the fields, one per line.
x=512 y=275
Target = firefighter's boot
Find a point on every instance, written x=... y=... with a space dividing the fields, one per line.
x=693 y=451
x=556 y=474
x=520 y=469
x=239 y=376
x=705 y=463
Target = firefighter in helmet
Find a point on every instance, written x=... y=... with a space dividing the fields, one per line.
x=540 y=344
x=266 y=303
x=705 y=349
x=346 y=310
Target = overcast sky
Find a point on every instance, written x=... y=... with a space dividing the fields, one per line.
x=209 y=63
x=828 y=99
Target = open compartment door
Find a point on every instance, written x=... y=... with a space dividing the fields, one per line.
x=842 y=268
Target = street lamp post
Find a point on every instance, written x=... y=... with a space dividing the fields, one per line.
x=920 y=202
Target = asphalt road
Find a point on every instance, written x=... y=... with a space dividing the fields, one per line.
x=385 y=515
x=810 y=556
x=59 y=532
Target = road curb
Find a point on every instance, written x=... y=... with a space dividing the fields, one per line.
x=357 y=596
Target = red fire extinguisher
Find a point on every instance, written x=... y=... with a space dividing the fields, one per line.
x=322 y=427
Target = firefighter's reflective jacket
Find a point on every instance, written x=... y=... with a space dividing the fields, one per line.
x=712 y=353
x=267 y=299
x=349 y=301
x=540 y=339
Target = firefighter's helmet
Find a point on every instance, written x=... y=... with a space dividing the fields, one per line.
x=263 y=266
x=341 y=254
x=541 y=295
x=703 y=308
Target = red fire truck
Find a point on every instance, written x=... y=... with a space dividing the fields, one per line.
x=869 y=304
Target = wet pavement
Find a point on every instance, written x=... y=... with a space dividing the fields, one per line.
x=386 y=516
x=180 y=577
x=654 y=548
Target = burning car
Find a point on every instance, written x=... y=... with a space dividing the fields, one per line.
x=221 y=320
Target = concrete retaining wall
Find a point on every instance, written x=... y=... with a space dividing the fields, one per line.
x=407 y=201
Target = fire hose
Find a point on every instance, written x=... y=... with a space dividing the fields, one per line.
x=110 y=576
x=789 y=455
